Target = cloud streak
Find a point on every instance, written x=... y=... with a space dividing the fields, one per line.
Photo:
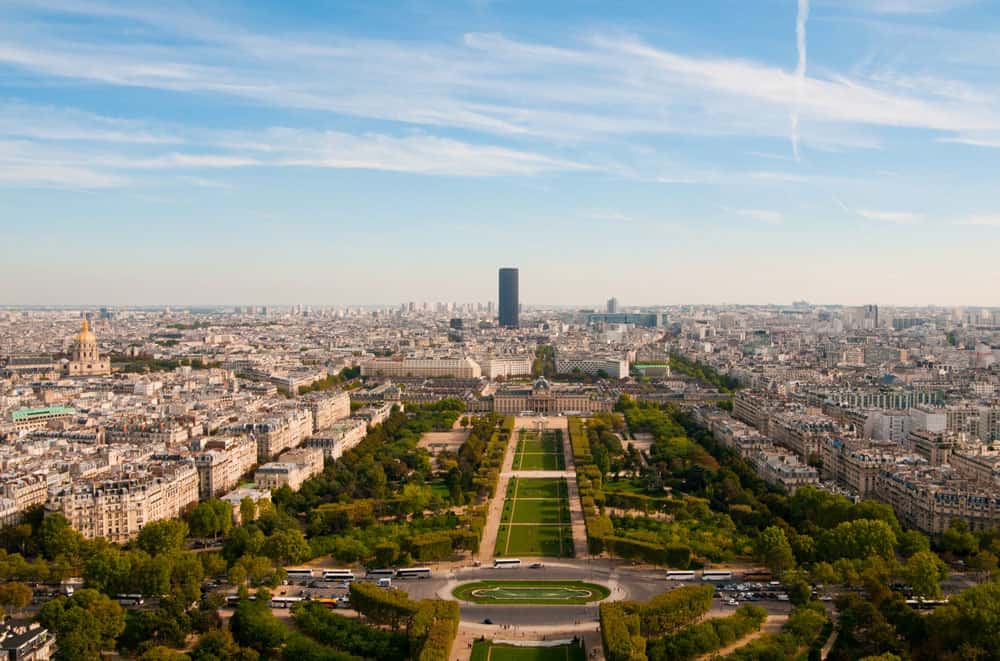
x=800 y=71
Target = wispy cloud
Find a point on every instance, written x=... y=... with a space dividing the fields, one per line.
x=905 y=6
x=800 y=71
x=897 y=217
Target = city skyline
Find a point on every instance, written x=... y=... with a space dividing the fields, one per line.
x=827 y=151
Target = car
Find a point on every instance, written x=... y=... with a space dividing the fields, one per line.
x=535 y=565
x=487 y=621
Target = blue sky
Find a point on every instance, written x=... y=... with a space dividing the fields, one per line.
x=368 y=152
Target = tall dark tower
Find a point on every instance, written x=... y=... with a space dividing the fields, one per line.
x=508 y=298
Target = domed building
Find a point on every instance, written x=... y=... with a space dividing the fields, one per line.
x=86 y=360
x=546 y=398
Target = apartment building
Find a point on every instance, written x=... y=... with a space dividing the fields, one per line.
x=291 y=469
x=506 y=368
x=338 y=438
x=327 y=408
x=930 y=497
x=40 y=418
x=276 y=432
x=222 y=462
x=456 y=368
x=783 y=468
x=143 y=432
x=117 y=507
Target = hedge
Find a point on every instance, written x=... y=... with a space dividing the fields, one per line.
x=670 y=611
x=433 y=630
x=620 y=633
x=707 y=636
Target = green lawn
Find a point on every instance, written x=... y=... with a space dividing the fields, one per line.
x=537 y=487
x=539 y=511
x=542 y=540
x=531 y=592
x=539 y=461
x=546 y=444
x=485 y=650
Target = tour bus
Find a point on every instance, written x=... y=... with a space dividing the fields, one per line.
x=716 y=575
x=284 y=602
x=130 y=599
x=338 y=575
x=758 y=575
x=413 y=572
x=680 y=575
x=506 y=563
x=375 y=574
x=299 y=574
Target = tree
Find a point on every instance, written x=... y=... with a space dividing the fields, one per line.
x=253 y=625
x=211 y=518
x=161 y=653
x=248 y=510
x=286 y=547
x=958 y=539
x=218 y=645
x=924 y=572
x=15 y=596
x=164 y=536
x=84 y=624
x=913 y=541
x=774 y=550
x=58 y=538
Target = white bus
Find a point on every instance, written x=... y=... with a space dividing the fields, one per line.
x=375 y=574
x=413 y=572
x=284 y=602
x=130 y=599
x=716 y=575
x=299 y=574
x=505 y=563
x=338 y=575
x=674 y=575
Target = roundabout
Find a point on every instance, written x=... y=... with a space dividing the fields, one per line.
x=546 y=593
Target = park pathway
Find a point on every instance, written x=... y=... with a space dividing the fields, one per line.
x=772 y=624
x=495 y=512
x=576 y=520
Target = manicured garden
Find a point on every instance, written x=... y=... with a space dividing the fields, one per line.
x=485 y=650
x=531 y=592
x=535 y=520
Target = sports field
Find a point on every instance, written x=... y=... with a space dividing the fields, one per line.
x=539 y=452
x=531 y=592
x=535 y=520
x=485 y=650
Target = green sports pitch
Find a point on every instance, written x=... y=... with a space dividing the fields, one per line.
x=547 y=593
x=485 y=650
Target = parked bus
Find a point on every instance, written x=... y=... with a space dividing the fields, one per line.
x=299 y=574
x=506 y=563
x=329 y=602
x=284 y=602
x=338 y=575
x=716 y=575
x=130 y=599
x=680 y=575
x=375 y=574
x=413 y=572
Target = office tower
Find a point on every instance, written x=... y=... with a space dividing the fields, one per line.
x=508 y=304
x=612 y=305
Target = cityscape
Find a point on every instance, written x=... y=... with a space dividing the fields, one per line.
x=499 y=331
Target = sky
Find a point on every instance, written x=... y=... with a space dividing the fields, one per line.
x=356 y=152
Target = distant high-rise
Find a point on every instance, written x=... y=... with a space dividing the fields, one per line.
x=508 y=304
x=612 y=305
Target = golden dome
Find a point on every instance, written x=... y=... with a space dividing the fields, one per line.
x=85 y=336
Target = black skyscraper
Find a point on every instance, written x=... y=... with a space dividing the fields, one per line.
x=508 y=298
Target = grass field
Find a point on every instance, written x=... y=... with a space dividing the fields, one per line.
x=531 y=592
x=485 y=650
x=535 y=519
x=539 y=453
x=537 y=487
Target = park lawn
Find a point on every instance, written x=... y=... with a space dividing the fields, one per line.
x=538 y=487
x=547 y=444
x=531 y=592
x=540 y=511
x=554 y=541
x=485 y=650
x=539 y=461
